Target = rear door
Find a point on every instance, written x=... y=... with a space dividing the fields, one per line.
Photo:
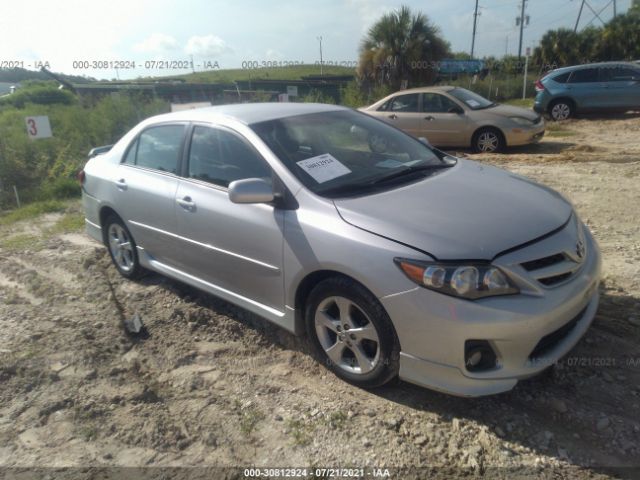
x=404 y=112
x=235 y=247
x=145 y=183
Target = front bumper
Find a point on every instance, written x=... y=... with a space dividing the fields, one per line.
x=525 y=136
x=433 y=328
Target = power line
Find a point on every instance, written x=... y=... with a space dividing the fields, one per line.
x=473 y=36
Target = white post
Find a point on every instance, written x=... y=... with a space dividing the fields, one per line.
x=524 y=80
x=15 y=190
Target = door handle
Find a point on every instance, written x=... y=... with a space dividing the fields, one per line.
x=429 y=117
x=121 y=184
x=393 y=116
x=186 y=203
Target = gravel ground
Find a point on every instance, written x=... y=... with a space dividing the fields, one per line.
x=211 y=385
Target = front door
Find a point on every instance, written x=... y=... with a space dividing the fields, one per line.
x=235 y=247
x=443 y=124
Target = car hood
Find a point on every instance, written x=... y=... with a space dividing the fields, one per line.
x=468 y=212
x=511 y=111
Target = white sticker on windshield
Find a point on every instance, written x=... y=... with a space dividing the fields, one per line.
x=323 y=167
x=473 y=103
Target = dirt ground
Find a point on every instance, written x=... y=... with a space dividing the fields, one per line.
x=213 y=385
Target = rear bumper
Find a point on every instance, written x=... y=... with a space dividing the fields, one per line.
x=91 y=206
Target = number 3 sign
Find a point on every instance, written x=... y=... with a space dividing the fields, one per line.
x=38 y=127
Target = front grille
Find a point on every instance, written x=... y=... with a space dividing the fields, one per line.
x=555 y=279
x=543 y=262
x=549 y=342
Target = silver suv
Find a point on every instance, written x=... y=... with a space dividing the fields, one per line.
x=395 y=258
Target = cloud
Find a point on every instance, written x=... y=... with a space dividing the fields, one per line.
x=156 y=43
x=274 y=54
x=206 y=46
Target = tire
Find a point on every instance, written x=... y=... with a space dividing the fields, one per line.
x=560 y=110
x=368 y=358
x=122 y=247
x=488 y=140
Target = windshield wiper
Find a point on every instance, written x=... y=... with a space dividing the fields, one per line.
x=409 y=171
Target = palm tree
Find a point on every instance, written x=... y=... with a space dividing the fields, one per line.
x=401 y=48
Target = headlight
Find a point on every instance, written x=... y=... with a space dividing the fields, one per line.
x=522 y=121
x=469 y=281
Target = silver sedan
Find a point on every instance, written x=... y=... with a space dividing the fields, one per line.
x=395 y=258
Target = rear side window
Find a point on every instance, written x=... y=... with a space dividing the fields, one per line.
x=561 y=78
x=157 y=148
x=405 y=103
x=584 y=75
x=220 y=157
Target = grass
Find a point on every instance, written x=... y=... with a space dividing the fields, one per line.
x=32 y=210
x=19 y=242
x=249 y=418
x=519 y=102
x=70 y=222
x=300 y=432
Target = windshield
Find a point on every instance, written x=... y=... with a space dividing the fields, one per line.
x=343 y=152
x=472 y=100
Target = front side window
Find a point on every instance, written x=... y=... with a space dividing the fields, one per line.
x=585 y=75
x=344 y=152
x=405 y=103
x=157 y=148
x=220 y=157
x=436 y=103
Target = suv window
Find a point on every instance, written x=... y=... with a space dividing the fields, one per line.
x=436 y=103
x=561 y=78
x=584 y=75
x=620 y=74
x=220 y=157
x=405 y=103
x=157 y=148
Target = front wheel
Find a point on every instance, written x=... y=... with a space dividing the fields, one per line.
x=488 y=140
x=122 y=247
x=352 y=332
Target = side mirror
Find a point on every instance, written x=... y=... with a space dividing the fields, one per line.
x=251 y=190
x=456 y=109
x=425 y=141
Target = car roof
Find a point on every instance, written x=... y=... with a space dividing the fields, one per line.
x=439 y=88
x=247 y=113
x=598 y=64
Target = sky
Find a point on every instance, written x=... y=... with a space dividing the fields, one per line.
x=228 y=34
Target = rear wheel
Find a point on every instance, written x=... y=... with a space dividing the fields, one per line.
x=488 y=140
x=352 y=332
x=122 y=247
x=561 y=110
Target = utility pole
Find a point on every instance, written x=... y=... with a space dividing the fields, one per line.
x=520 y=20
x=575 y=29
x=320 y=40
x=615 y=10
x=473 y=37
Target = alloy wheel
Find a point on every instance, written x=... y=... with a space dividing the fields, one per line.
x=560 y=111
x=347 y=335
x=121 y=247
x=488 y=142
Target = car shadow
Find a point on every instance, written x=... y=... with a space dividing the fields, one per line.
x=558 y=413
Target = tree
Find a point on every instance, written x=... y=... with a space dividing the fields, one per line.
x=401 y=47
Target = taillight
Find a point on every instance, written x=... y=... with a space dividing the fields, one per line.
x=81 y=177
x=539 y=86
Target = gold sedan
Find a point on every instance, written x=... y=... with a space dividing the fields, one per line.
x=456 y=117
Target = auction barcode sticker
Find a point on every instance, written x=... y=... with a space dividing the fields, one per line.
x=323 y=168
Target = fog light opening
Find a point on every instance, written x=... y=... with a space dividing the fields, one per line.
x=479 y=356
